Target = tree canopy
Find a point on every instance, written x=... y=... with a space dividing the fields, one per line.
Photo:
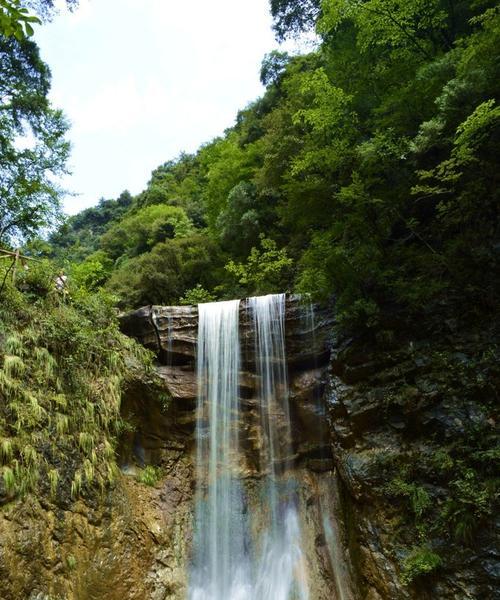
x=33 y=148
x=293 y=16
x=367 y=170
x=16 y=20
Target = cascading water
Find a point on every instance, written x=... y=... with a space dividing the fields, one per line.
x=240 y=556
x=169 y=340
x=281 y=573
x=221 y=563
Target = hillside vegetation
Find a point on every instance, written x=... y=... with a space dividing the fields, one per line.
x=64 y=365
x=368 y=170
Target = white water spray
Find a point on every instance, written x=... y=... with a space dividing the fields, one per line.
x=281 y=573
x=221 y=562
x=229 y=563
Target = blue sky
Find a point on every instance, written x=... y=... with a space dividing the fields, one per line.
x=142 y=80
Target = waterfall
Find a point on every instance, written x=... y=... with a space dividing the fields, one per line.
x=281 y=572
x=221 y=562
x=242 y=552
x=169 y=340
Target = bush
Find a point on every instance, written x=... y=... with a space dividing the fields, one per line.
x=91 y=274
x=197 y=295
x=266 y=269
x=420 y=562
x=163 y=275
x=37 y=279
x=149 y=475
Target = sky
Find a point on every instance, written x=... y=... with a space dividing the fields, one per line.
x=142 y=80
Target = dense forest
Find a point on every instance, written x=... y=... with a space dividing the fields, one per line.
x=368 y=171
x=367 y=175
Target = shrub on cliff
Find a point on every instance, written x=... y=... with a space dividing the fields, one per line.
x=420 y=562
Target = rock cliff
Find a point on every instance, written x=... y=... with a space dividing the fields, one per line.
x=384 y=430
x=171 y=333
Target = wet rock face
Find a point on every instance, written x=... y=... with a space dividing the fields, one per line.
x=353 y=404
x=392 y=410
x=382 y=400
x=171 y=333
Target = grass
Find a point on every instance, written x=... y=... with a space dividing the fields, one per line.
x=420 y=562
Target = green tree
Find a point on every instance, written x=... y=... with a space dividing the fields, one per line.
x=46 y=9
x=273 y=67
x=226 y=164
x=196 y=295
x=32 y=145
x=164 y=274
x=369 y=162
x=79 y=235
x=291 y=17
x=245 y=216
x=15 y=20
x=140 y=230
x=265 y=270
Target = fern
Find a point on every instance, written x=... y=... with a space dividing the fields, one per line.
x=62 y=424
x=76 y=485
x=13 y=365
x=14 y=345
x=9 y=480
x=88 y=469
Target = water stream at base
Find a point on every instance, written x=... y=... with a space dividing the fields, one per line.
x=230 y=560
